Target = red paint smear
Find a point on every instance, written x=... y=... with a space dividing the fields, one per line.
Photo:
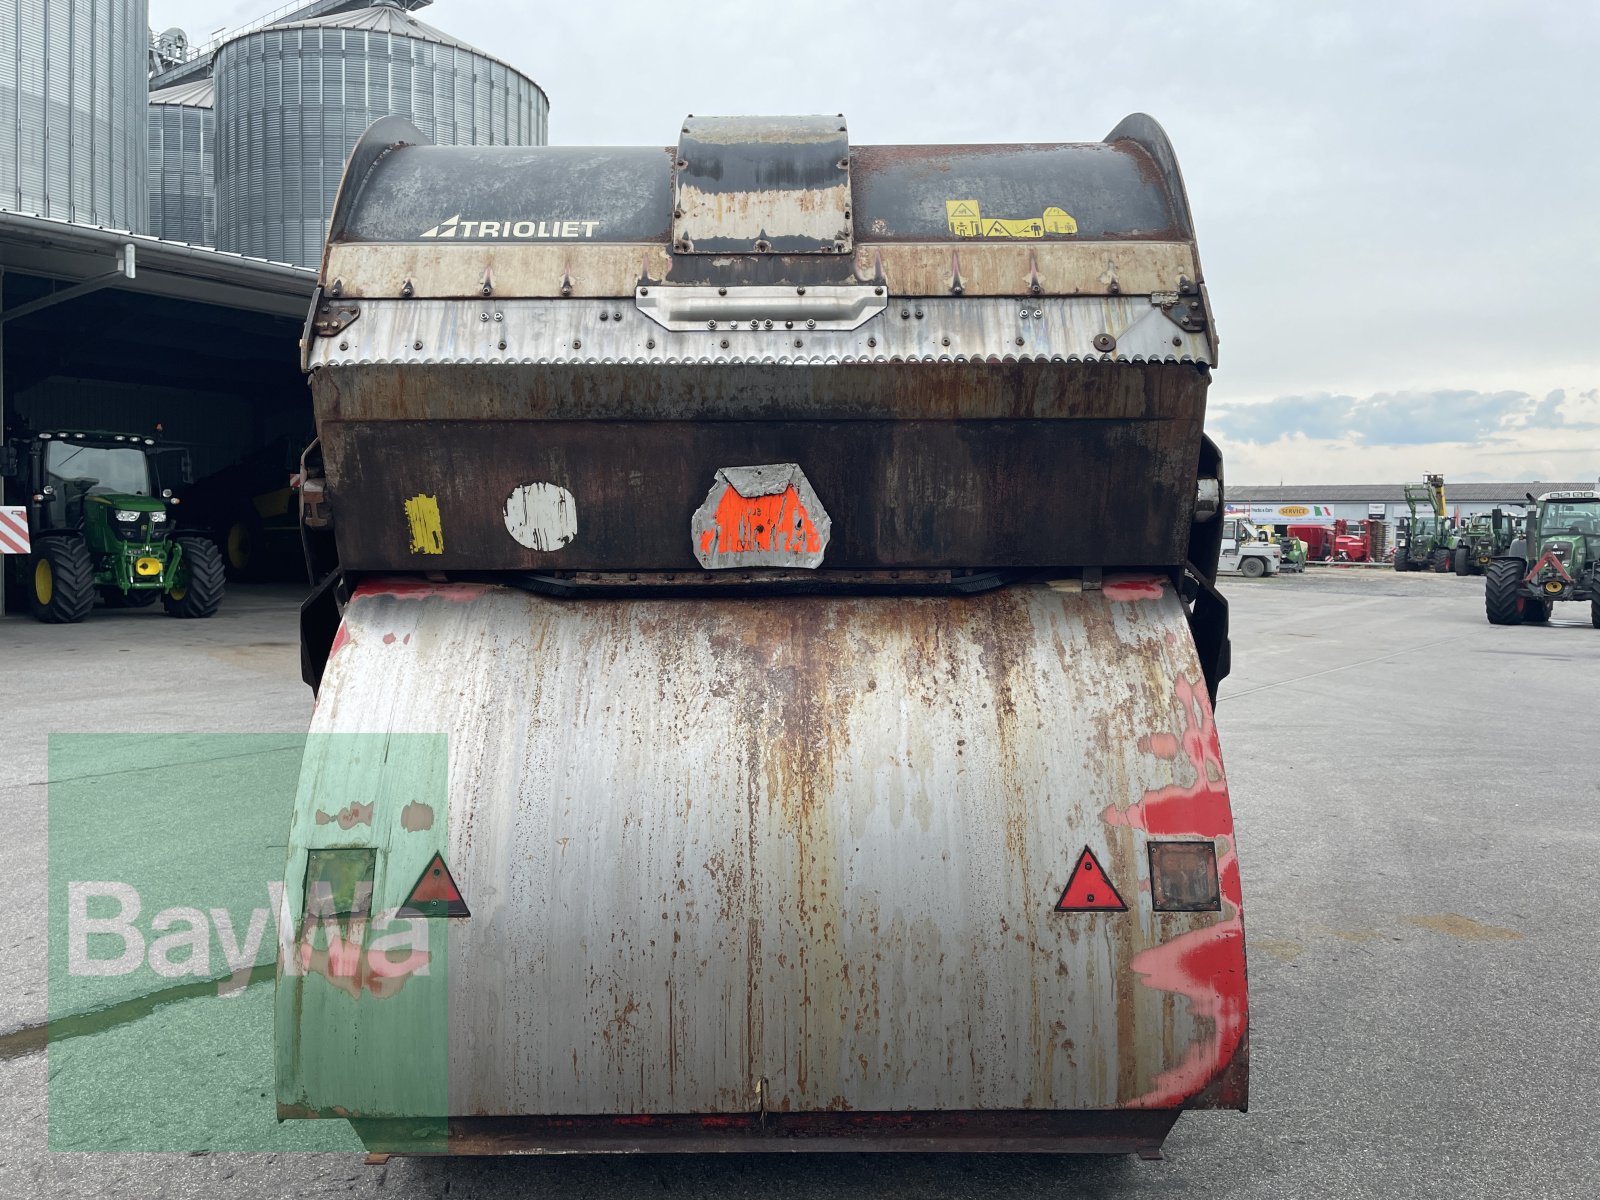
x=419 y=589
x=388 y=639
x=1134 y=587
x=750 y=523
x=1207 y=965
x=339 y=640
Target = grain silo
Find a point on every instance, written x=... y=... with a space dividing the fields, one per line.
x=291 y=100
x=73 y=81
x=183 y=187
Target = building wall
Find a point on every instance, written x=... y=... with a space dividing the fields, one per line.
x=183 y=188
x=73 y=82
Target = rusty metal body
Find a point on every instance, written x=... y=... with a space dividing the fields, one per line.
x=769 y=800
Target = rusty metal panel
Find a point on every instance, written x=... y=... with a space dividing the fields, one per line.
x=836 y=890
x=459 y=269
x=902 y=493
x=762 y=185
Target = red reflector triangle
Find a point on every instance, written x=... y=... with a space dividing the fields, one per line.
x=1089 y=890
x=435 y=894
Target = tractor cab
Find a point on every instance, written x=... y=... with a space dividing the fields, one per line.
x=101 y=525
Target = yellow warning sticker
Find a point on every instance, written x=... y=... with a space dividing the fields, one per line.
x=427 y=536
x=967 y=220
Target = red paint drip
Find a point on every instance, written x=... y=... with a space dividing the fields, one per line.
x=339 y=640
x=1134 y=587
x=1207 y=966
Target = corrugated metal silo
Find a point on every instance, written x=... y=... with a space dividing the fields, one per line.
x=73 y=81
x=183 y=181
x=292 y=99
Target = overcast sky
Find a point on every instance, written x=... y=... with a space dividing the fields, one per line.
x=1398 y=204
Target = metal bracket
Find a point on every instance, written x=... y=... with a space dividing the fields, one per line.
x=1186 y=312
x=331 y=318
x=821 y=307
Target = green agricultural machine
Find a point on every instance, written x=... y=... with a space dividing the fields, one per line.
x=1481 y=538
x=1423 y=543
x=100 y=525
x=1562 y=542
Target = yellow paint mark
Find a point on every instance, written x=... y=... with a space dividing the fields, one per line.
x=1464 y=927
x=1281 y=949
x=965 y=219
x=427 y=535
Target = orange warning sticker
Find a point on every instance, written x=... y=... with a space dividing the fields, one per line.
x=1089 y=890
x=435 y=893
x=760 y=516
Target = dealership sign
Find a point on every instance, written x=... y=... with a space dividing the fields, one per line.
x=1278 y=514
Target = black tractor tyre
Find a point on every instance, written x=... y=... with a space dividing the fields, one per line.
x=200 y=583
x=1252 y=567
x=1439 y=561
x=1401 y=562
x=1463 y=561
x=61 y=580
x=1594 y=613
x=1501 y=602
x=115 y=597
x=1538 y=611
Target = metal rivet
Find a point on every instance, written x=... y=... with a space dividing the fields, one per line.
x=811 y=324
x=872 y=341
x=346 y=345
x=1177 y=341
x=769 y=324
x=1038 y=312
x=1023 y=314
x=711 y=324
x=502 y=345
x=644 y=291
x=484 y=317
x=919 y=314
x=757 y=324
x=788 y=324
x=797 y=343
x=722 y=291
x=877 y=291
x=724 y=343
x=905 y=314
x=1104 y=342
x=576 y=344
x=416 y=345
x=650 y=345
x=677 y=212
x=946 y=341
x=498 y=317
x=799 y=291
x=1019 y=341
x=605 y=316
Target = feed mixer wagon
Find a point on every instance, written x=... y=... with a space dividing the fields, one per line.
x=765 y=691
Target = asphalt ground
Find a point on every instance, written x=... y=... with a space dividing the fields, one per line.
x=1415 y=793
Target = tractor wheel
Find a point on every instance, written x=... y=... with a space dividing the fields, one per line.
x=1502 y=603
x=63 y=580
x=1594 y=613
x=1401 y=563
x=1463 y=561
x=1538 y=612
x=139 y=598
x=1252 y=568
x=1439 y=561
x=197 y=591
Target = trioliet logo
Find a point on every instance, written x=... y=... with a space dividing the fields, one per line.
x=531 y=230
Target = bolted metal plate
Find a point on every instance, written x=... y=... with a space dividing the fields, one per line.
x=762 y=185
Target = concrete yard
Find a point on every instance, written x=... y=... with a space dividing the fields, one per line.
x=1415 y=793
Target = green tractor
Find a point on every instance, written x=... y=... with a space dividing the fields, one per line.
x=1481 y=538
x=100 y=525
x=1562 y=542
x=1423 y=542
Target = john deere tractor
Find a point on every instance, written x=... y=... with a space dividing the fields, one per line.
x=100 y=525
x=1557 y=558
